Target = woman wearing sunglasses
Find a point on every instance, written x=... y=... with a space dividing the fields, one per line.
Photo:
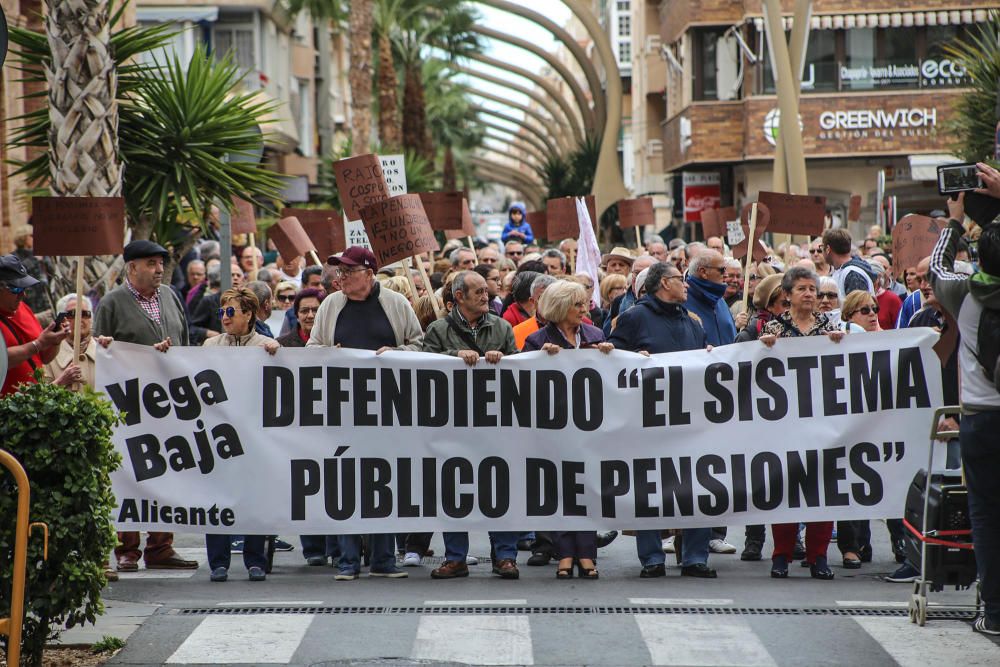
x=860 y=309
x=63 y=370
x=238 y=308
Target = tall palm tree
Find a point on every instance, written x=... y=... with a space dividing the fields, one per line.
x=448 y=117
x=360 y=74
x=388 y=15
x=974 y=125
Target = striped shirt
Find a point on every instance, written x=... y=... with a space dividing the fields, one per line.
x=149 y=306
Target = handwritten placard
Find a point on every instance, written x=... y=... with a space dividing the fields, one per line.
x=394 y=171
x=360 y=182
x=325 y=228
x=243 y=220
x=763 y=219
x=913 y=238
x=561 y=217
x=398 y=228
x=290 y=238
x=636 y=212
x=795 y=214
x=468 y=229
x=443 y=209
x=79 y=226
x=538 y=221
x=854 y=210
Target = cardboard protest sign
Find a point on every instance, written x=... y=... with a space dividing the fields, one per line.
x=795 y=214
x=78 y=226
x=290 y=238
x=636 y=212
x=560 y=215
x=443 y=209
x=763 y=221
x=854 y=210
x=913 y=238
x=325 y=228
x=713 y=221
x=243 y=220
x=394 y=171
x=538 y=221
x=360 y=182
x=467 y=230
x=398 y=228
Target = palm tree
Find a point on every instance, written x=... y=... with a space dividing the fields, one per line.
x=360 y=75
x=388 y=15
x=974 y=126
x=448 y=117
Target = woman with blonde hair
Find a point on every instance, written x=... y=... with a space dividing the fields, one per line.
x=860 y=309
x=401 y=285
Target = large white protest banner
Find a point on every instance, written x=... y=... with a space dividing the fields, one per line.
x=332 y=441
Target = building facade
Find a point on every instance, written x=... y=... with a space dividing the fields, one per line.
x=877 y=95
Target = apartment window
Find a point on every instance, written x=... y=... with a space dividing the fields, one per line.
x=301 y=107
x=705 y=49
x=624 y=26
x=623 y=5
x=240 y=39
x=625 y=52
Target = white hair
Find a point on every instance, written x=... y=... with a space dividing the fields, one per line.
x=63 y=302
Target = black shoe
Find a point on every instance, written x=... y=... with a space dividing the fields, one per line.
x=779 y=567
x=281 y=545
x=986 y=626
x=820 y=569
x=653 y=571
x=799 y=552
x=899 y=550
x=604 y=539
x=752 y=550
x=865 y=553
x=852 y=563
x=700 y=570
x=539 y=558
x=316 y=560
x=524 y=545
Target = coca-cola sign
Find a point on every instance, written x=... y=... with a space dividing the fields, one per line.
x=702 y=192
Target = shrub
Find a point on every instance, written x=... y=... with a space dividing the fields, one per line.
x=63 y=440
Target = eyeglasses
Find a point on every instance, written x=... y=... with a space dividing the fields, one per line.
x=673 y=277
x=515 y=253
x=305 y=310
x=14 y=290
x=343 y=273
x=228 y=312
x=868 y=310
x=816 y=251
x=85 y=314
x=286 y=298
x=827 y=295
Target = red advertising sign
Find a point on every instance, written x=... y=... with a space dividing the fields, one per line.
x=701 y=191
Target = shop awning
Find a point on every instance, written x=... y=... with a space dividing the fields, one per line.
x=194 y=14
x=886 y=19
x=924 y=167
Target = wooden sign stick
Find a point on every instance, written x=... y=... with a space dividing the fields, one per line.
x=253 y=244
x=572 y=260
x=472 y=246
x=751 y=246
x=79 y=310
x=439 y=308
x=312 y=255
x=638 y=239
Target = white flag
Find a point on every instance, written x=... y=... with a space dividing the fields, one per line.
x=588 y=253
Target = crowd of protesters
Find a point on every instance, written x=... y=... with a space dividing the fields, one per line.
x=516 y=295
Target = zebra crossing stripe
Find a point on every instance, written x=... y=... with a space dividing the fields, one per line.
x=702 y=641
x=256 y=639
x=474 y=640
x=938 y=642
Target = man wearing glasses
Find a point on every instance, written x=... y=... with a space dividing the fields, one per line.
x=364 y=316
x=514 y=251
x=144 y=311
x=28 y=345
x=817 y=257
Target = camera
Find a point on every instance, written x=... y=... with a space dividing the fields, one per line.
x=955 y=178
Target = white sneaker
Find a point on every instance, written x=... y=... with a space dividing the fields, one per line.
x=718 y=546
x=668 y=545
x=471 y=560
x=411 y=559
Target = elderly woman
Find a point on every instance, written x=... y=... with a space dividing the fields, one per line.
x=63 y=370
x=237 y=311
x=564 y=306
x=770 y=302
x=799 y=287
x=861 y=310
x=305 y=307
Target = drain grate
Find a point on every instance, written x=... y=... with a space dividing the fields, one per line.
x=499 y=610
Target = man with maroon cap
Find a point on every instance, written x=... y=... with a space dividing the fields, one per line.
x=364 y=316
x=28 y=346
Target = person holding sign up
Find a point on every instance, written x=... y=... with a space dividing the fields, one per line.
x=364 y=316
x=802 y=318
x=471 y=332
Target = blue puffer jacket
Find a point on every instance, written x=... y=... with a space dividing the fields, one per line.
x=523 y=228
x=705 y=300
x=657 y=326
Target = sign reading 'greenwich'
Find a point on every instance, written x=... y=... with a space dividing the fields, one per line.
x=333 y=441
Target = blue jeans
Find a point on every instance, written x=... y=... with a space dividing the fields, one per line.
x=456 y=546
x=319 y=545
x=383 y=552
x=981 y=457
x=219 y=548
x=694 y=546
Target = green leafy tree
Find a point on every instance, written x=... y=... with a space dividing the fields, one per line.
x=448 y=111
x=974 y=126
x=63 y=440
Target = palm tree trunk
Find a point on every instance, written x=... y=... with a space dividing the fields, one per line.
x=448 y=178
x=360 y=74
x=324 y=121
x=389 y=130
x=415 y=137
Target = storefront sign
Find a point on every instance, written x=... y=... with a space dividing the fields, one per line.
x=702 y=191
x=924 y=74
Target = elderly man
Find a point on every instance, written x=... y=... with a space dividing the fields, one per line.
x=265 y=299
x=489 y=255
x=658 y=250
x=514 y=251
x=659 y=323
x=914 y=302
x=364 y=316
x=555 y=262
x=195 y=275
x=462 y=259
x=619 y=261
x=144 y=311
x=631 y=295
x=733 y=277
x=715 y=243
x=471 y=332
x=28 y=345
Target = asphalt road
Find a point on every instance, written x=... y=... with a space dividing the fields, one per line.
x=301 y=616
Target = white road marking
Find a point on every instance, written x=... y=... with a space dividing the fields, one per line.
x=681 y=602
x=702 y=641
x=271 y=603
x=462 y=603
x=474 y=640
x=873 y=604
x=257 y=639
x=938 y=642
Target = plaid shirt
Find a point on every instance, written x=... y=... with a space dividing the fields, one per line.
x=150 y=306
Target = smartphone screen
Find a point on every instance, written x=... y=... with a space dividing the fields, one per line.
x=958 y=178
